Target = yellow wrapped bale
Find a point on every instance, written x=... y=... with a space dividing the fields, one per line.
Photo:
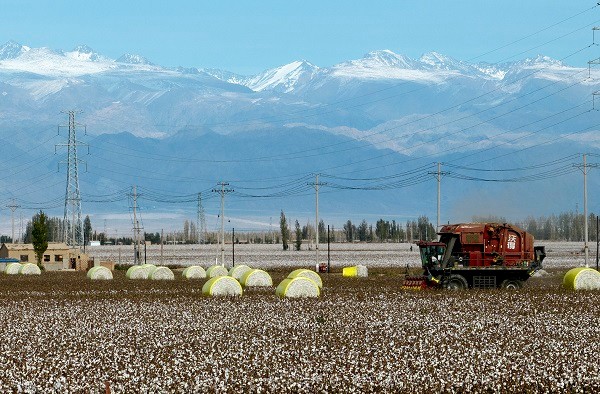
x=582 y=278
x=99 y=273
x=256 y=278
x=349 y=272
x=238 y=271
x=312 y=275
x=298 y=287
x=12 y=268
x=136 y=272
x=216 y=270
x=194 y=272
x=222 y=286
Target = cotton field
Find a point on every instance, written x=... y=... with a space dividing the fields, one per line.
x=65 y=333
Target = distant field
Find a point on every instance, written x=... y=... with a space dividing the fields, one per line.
x=560 y=254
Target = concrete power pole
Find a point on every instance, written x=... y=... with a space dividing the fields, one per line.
x=584 y=168
x=316 y=186
x=73 y=232
x=438 y=175
x=200 y=221
x=222 y=192
x=136 y=229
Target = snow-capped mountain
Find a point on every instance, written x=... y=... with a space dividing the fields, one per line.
x=382 y=105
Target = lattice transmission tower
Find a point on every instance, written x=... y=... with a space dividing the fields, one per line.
x=73 y=225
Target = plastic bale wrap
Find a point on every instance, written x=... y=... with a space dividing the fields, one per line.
x=349 y=272
x=99 y=273
x=194 y=272
x=312 y=275
x=256 y=278
x=582 y=278
x=216 y=270
x=136 y=272
x=238 y=271
x=222 y=286
x=162 y=273
x=299 y=287
x=362 y=271
x=12 y=268
x=30 y=269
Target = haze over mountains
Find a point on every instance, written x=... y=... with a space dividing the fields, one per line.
x=381 y=120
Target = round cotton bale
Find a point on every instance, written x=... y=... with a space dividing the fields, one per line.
x=149 y=268
x=349 y=272
x=312 y=275
x=222 y=286
x=136 y=272
x=297 y=287
x=256 y=278
x=99 y=273
x=162 y=273
x=216 y=270
x=238 y=271
x=582 y=278
x=30 y=269
x=12 y=268
x=194 y=272
x=362 y=271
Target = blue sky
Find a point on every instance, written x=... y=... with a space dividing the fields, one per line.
x=250 y=36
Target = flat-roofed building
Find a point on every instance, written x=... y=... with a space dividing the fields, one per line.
x=58 y=256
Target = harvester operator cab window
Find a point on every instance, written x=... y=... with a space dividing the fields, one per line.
x=431 y=255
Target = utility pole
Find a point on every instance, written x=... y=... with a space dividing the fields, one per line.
x=13 y=207
x=72 y=213
x=438 y=175
x=584 y=168
x=136 y=230
x=201 y=221
x=222 y=192
x=316 y=186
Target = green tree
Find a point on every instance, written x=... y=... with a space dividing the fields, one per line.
x=87 y=229
x=298 y=243
x=285 y=231
x=40 y=235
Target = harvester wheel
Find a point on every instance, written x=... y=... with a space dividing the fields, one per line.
x=456 y=282
x=511 y=284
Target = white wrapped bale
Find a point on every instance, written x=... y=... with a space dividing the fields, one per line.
x=30 y=269
x=216 y=270
x=582 y=278
x=222 y=286
x=312 y=275
x=136 y=272
x=256 y=278
x=99 y=273
x=238 y=271
x=298 y=287
x=362 y=271
x=12 y=268
x=194 y=272
x=162 y=273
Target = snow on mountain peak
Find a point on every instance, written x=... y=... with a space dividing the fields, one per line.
x=130 y=58
x=283 y=78
x=84 y=53
x=388 y=58
x=11 y=50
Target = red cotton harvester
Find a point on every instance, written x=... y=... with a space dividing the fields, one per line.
x=477 y=255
